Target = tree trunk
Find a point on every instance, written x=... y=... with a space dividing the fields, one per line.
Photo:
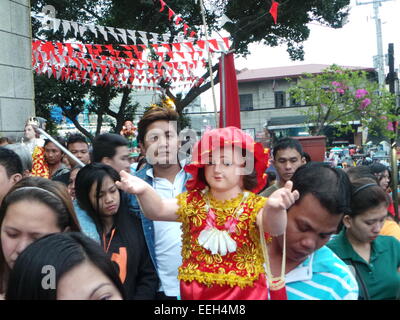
x=121 y=112
x=99 y=122
x=76 y=123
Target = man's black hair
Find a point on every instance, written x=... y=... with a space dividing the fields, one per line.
x=106 y=144
x=287 y=143
x=331 y=186
x=10 y=161
x=74 y=138
x=60 y=140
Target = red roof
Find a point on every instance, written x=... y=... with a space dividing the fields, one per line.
x=247 y=75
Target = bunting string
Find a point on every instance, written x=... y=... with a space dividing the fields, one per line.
x=177 y=19
x=110 y=33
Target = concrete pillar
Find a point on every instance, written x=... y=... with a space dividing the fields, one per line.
x=16 y=77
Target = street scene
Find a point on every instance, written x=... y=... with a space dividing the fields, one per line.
x=225 y=150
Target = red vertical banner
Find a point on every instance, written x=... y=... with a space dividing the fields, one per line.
x=230 y=105
x=274 y=11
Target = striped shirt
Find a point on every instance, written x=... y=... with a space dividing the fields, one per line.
x=322 y=276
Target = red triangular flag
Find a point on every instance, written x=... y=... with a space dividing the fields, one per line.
x=35 y=45
x=177 y=46
x=190 y=45
x=274 y=10
x=214 y=42
x=178 y=19
x=171 y=13
x=162 y=5
x=129 y=54
x=185 y=27
x=201 y=44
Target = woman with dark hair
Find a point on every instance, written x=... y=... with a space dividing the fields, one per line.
x=382 y=173
x=375 y=258
x=64 y=266
x=120 y=231
x=33 y=208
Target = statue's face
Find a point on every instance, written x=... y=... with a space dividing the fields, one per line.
x=29 y=132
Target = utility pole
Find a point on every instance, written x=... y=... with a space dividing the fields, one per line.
x=392 y=79
x=378 y=25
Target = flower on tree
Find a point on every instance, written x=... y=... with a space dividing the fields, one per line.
x=365 y=103
x=390 y=125
x=361 y=93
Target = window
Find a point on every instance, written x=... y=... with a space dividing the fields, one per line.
x=294 y=102
x=280 y=99
x=246 y=102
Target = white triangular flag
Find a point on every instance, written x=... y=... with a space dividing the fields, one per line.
x=56 y=24
x=122 y=34
x=112 y=31
x=132 y=35
x=143 y=34
x=154 y=37
x=76 y=27
x=103 y=32
x=82 y=30
x=144 y=41
x=181 y=38
x=66 y=27
x=224 y=19
x=62 y=61
x=166 y=37
x=222 y=45
x=92 y=28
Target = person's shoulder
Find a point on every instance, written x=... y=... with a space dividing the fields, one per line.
x=326 y=257
x=387 y=242
x=328 y=264
x=142 y=173
x=39 y=142
x=326 y=261
x=189 y=198
x=336 y=241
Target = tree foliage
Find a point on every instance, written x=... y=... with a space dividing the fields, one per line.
x=337 y=97
x=252 y=23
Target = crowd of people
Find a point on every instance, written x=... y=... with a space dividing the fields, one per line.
x=167 y=227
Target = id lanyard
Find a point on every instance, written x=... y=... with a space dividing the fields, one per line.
x=109 y=241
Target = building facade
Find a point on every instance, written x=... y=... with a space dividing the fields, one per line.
x=16 y=77
x=266 y=104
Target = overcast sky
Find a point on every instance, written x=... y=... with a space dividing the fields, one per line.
x=353 y=45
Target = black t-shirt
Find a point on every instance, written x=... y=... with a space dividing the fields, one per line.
x=131 y=257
